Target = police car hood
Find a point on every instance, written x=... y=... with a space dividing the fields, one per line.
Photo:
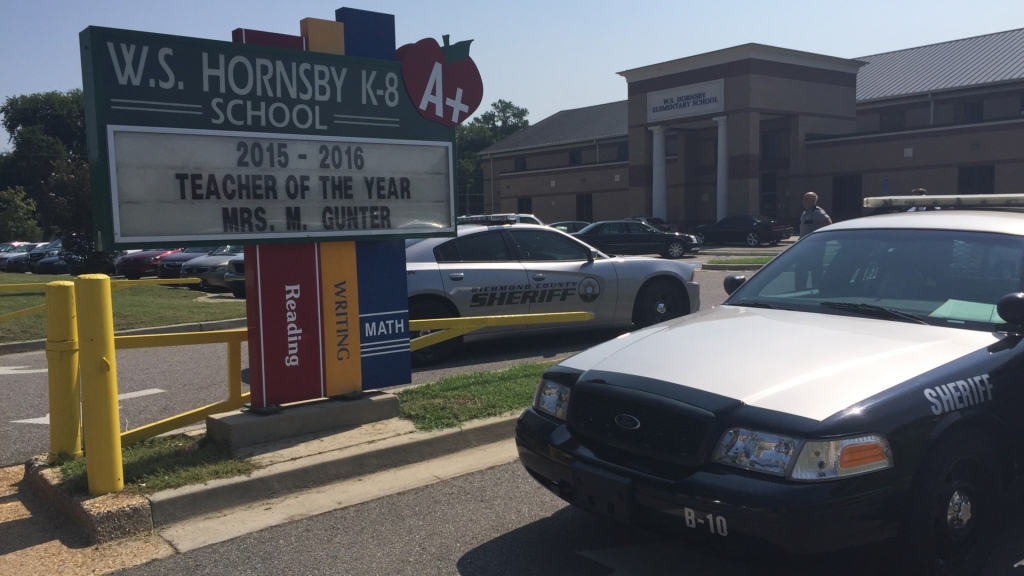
x=801 y=363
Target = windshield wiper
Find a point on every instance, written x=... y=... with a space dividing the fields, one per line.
x=763 y=305
x=875 y=309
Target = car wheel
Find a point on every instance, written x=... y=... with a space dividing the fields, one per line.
x=674 y=249
x=238 y=293
x=773 y=243
x=431 y=355
x=129 y=276
x=956 y=506
x=753 y=239
x=700 y=238
x=659 y=300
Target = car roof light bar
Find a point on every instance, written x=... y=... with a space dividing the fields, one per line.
x=955 y=200
x=487 y=218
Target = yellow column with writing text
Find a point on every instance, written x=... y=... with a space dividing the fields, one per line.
x=343 y=369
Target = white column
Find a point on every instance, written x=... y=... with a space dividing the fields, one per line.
x=659 y=204
x=722 y=180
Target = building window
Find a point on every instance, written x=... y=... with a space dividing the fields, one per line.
x=585 y=207
x=520 y=164
x=892 y=120
x=918 y=117
x=622 y=152
x=968 y=112
x=773 y=144
x=976 y=180
x=524 y=205
x=575 y=157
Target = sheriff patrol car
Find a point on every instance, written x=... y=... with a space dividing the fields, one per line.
x=500 y=269
x=866 y=384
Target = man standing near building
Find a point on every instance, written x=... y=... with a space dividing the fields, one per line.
x=813 y=217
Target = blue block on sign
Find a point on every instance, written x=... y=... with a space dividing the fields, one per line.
x=383 y=313
x=368 y=34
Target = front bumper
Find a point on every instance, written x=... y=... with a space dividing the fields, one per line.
x=712 y=504
x=140 y=268
x=234 y=282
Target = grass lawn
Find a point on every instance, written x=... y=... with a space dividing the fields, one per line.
x=138 y=307
x=754 y=260
x=453 y=400
x=163 y=463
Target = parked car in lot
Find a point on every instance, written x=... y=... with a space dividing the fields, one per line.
x=570 y=226
x=170 y=265
x=52 y=265
x=234 y=278
x=9 y=246
x=891 y=408
x=144 y=263
x=632 y=237
x=15 y=260
x=654 y=222
x=21 y=250
x=749 y=230
x=210 y=269
x=525 y=269
x=40 y=252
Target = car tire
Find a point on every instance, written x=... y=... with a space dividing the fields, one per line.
x=432 y=355
x=238 y=293
x=659 y=300
x=773 y=243
x=674 y=249
x=753 y=239
x=960 y=474
x=132 y=276
x=700 y=238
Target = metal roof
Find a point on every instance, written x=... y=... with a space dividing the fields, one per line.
x=568 y=126
x=957 y=64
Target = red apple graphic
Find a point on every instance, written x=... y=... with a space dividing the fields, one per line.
x=443 y=83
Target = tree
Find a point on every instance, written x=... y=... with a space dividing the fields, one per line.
x=17 y=217
x=501 y=121
x=69 y=194
x=45 y=128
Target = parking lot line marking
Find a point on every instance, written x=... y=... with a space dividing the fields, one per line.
x=15 y=370
x=147 y=392
x=45 y=420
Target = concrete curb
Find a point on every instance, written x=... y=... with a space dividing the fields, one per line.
x=29 y=345
x=102 y=518
x=173 y=506
x=738 y=267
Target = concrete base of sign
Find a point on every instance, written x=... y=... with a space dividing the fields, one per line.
x=235 y=430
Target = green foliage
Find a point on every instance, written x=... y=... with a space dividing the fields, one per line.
x=502 y=120
x=69 y=197
x=456 y=399
x=17 y=221
x=60 y=115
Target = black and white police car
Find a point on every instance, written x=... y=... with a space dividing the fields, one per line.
x=865 y=384
x=502 y=268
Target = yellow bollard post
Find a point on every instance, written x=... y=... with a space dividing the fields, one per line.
x=100 y=414
x=235 y=374
x=62 y=370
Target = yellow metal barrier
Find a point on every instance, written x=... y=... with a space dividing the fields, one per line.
x=455 y=327
x=236 y=398
x=98 y=365
x=62 y=370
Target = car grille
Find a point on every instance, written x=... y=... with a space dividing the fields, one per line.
x=171 y=264
x=670 y=431
x=196 y=270
x=238 y=267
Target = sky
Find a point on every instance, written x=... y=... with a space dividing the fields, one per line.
x=545 y=55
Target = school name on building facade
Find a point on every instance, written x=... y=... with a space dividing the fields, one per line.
x=684 y=101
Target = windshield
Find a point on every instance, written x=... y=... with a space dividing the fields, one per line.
x=227 y=250
x=198 y=250
x=944 y=277
x=589 y=229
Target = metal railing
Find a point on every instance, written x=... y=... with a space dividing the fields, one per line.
x=81 y=363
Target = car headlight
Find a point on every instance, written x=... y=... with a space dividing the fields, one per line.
x=552 y=398
x=220 y=269
x=826 y=460
x=51 y=253
x=757 y=451
x=804 y=460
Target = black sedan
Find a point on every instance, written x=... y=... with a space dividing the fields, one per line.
x=631 y=237
x=749 y=230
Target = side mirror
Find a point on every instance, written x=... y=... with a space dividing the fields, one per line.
x=1011 y=308
x=591 y=255
x=734 y=281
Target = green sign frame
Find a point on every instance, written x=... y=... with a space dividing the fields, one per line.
x=140 y=79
